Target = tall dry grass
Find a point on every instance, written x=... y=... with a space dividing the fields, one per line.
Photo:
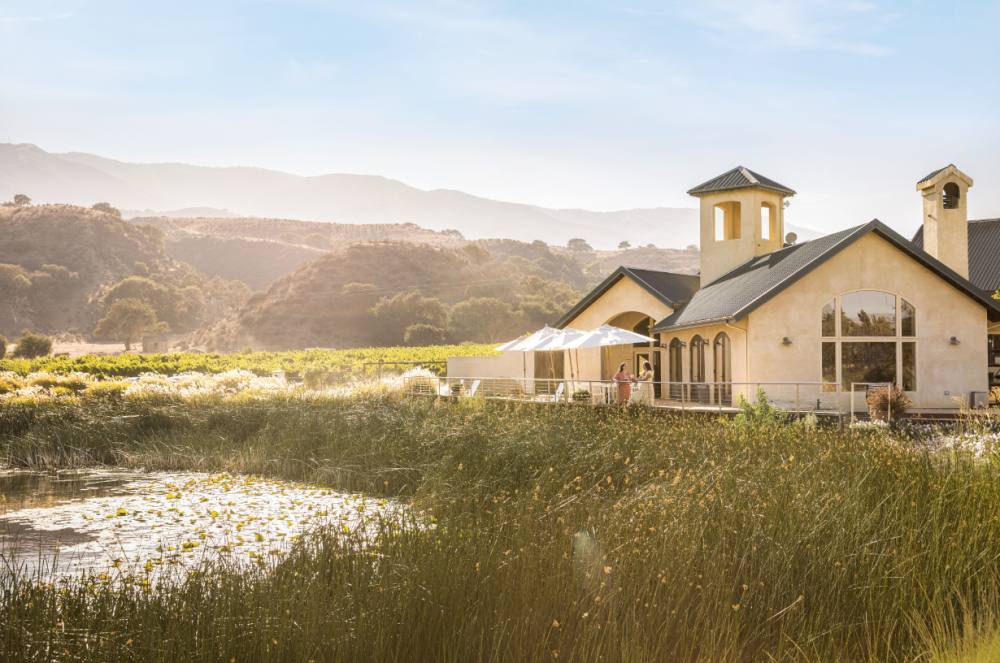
x=538 y=533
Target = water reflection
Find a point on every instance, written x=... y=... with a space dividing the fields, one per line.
x=67 y=523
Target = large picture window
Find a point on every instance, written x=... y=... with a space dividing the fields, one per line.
x=866 y=331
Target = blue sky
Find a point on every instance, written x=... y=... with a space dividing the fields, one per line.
x=600 y=105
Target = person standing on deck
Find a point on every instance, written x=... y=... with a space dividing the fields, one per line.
x=644 y=385
x=624 y=380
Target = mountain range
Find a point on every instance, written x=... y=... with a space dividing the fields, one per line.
x=180 y=190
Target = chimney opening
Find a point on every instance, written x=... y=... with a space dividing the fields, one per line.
x=952 y=196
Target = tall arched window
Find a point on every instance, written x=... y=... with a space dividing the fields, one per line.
x=676 y=367
x=697 y=359
x=875 y=341
x=723 y=368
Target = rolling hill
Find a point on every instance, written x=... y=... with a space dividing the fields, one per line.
x=72 y=255
x=85 y=179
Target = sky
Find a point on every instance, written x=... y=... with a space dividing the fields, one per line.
x=588 y=104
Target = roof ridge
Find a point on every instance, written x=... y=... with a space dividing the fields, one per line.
x=747 y=174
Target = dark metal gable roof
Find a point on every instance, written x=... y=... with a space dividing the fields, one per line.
x=669 y=288
x=746 y=288
x=739 y=178
x=931 y=176
x=984 y=252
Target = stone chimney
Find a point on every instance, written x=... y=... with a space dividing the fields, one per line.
x=946 y=217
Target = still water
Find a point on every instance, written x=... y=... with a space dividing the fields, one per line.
x=64 y=524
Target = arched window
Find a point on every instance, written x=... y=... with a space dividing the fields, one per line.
x=676 y=367
x=723 y=368
x=875 y=342
x=952 y=196
x=697 y=359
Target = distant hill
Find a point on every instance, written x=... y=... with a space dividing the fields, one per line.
x=187 y=213
x=85 y=179
x=310 y=308
x=72 y=255
x=258 y=251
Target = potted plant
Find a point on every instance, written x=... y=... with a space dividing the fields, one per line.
x=581 y=396
x=456 y=389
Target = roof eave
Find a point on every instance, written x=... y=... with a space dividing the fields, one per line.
x=788 y=193
x=691 y=325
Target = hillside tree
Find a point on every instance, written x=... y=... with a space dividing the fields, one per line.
x=14 y=288
x=128 y=319
x=21 y=200
x=422 y=335
x=578 y=244
x=393 y=315
x=624 y=245
x=477 y=253
x=481 y=318
x=107 y=209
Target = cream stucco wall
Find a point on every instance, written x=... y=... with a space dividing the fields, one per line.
x=871 y=263
x=737 y=333
x=623 y=297
x=510 y=365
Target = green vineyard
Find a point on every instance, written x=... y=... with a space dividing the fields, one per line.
x=343 y=362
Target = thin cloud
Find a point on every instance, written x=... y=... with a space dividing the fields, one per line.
x=795 y=24
x=32 y=19
x=299 y=75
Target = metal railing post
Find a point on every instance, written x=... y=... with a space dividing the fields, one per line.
x=798 y=409
x=840 y=406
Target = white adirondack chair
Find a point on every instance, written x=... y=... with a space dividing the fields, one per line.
x=554 y=398
x=472 y=390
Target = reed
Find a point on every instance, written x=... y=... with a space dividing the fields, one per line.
x=535 y=533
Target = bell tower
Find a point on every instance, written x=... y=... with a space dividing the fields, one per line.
x=946 y=217
x=742 y=216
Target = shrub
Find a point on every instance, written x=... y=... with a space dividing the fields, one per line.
x=581 y=395
x=31 y=346
x=423 y=334
x=889 y=400
x=762 y=414
x=3 y=346
x=106 y=391
x=248 y=349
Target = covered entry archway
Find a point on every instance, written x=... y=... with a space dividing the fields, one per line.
x=636 y=353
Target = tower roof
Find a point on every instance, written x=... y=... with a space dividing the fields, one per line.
x=940 y=174
x=740 y=178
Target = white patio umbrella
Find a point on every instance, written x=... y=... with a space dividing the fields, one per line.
x=532 y=343
x=559 y=340
x=509 y=344
x=546 y=339
x=603 y=337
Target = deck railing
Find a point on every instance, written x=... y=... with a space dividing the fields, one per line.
x=797 y=397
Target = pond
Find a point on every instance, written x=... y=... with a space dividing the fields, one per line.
x=63 y=524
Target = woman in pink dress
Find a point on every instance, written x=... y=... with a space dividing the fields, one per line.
x=624 y=380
